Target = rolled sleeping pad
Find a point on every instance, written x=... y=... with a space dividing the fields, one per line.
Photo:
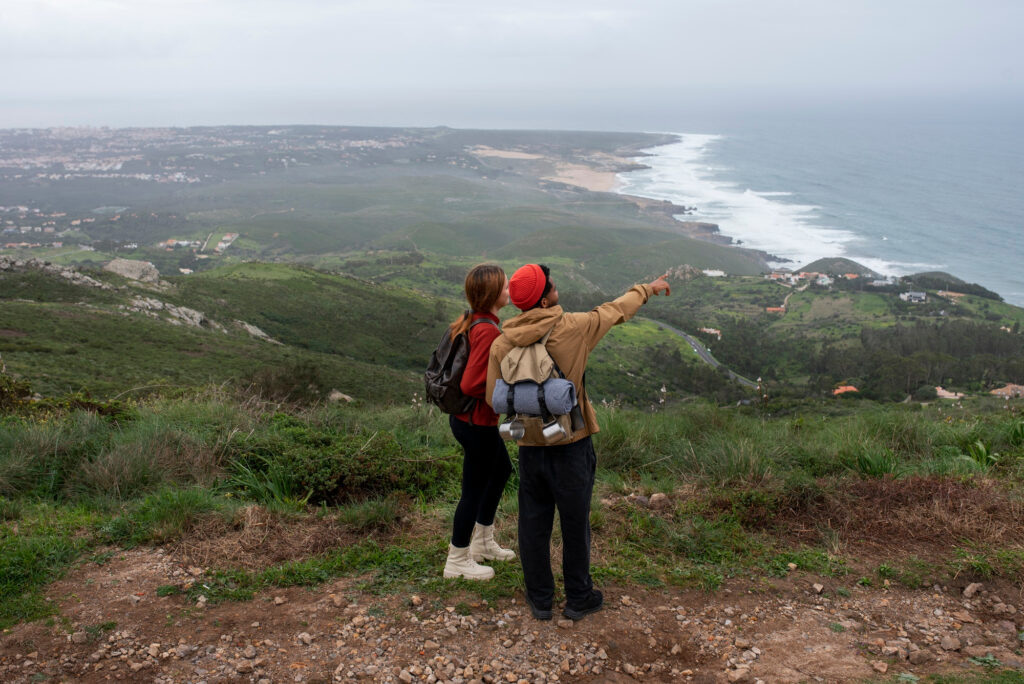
x=559 y=397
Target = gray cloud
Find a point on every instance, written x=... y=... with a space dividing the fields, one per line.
x=313 y=49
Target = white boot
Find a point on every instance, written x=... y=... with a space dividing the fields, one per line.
x=460 y=564
x=483 y=547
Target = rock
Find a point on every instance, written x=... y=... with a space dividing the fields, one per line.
x=256 y=332
x=879 y=666
x=79 y=638
x=791 y=566
x=626 y=601
x=742 y=643
x=818 y=588
x=305 y=638
x=416 y=601
x=154 y=650
x=242 y=666
x=659 y=500
x=565 y=623
x=249 y=652
x=629 y=668
x=336 y=395
x=143 y=271
x=950 y=643
x=921 y=657
x=971 y=589
x=405 y=676
x=740 y=674
x=430 y=645
x=278 y=600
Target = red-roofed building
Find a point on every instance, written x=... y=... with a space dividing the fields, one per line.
x=843 y=390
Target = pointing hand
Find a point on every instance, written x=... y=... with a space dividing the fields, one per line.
x=661 y=285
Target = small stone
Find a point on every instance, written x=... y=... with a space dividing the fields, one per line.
x=740 y=674
x=626 y=601
x=950 y=643
x=676 y=649
x=154 y=650
x=416 y=601
x=242 y=666
x=921 y=657
x=880 y=667
x=305 y=638
x=79 y=637
x=249 y=652
x=742 y=643
x=971 y=589
x=818 y=588
x=791 y=566
x=565 y=623
x=629 y=668
x=278 y=600
x=658 y=500
x=405 y=676
x=430 y=645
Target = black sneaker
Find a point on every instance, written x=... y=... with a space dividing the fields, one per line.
x=539 y=613
x=591 y=605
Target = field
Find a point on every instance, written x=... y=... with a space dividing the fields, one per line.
x=230 y=473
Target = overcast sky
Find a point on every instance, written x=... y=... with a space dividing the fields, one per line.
x=473 y=62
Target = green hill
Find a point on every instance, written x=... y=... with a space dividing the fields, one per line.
x=838 y=266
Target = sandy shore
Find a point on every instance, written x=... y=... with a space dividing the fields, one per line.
x=586 y=177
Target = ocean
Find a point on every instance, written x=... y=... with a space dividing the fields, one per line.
x=897 y=196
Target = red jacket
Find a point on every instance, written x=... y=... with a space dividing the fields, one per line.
x=474 y=378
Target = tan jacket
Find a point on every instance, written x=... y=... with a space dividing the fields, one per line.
x=573 y=338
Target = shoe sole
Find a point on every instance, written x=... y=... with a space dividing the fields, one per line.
x=482 y=557
x=575 y=615
x=455 y=575
x=537 y=613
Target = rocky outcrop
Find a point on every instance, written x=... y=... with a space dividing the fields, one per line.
x=12 y=264
x=256 y=332
x=143 y=271
x=177 y=315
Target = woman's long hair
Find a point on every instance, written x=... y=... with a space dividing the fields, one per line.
x=484 y=285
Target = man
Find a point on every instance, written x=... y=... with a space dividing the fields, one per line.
x=560 y=475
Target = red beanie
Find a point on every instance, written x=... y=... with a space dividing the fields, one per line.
x=526 y=286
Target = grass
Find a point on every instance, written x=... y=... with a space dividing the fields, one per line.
x=747 y=494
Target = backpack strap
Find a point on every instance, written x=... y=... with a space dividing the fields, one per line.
x=482 y=320
x=544 y=341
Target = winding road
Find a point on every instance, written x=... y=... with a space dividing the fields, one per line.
x=702 y=352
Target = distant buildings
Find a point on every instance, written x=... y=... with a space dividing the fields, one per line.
x=914 y=297
x=1009 y=391
x=844 y=389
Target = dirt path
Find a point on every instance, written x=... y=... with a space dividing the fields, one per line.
x=115 y=626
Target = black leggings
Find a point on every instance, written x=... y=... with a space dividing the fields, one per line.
x=485 y=470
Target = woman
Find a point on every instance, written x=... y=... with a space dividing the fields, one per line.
x=485 y=464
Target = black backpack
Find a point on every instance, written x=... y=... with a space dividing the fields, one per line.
x=447 y=364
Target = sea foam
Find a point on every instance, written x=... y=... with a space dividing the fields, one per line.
x=681 y=173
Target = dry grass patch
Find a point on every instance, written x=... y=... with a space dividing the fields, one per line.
x=257 y=538
x=921 y=512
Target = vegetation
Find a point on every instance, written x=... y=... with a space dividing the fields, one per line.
x=745 y=486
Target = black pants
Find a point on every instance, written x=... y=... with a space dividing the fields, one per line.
x=485 y=470
x=553 y=477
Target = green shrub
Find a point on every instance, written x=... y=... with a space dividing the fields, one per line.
x=334 y=466
x=162 y=516
x=872 y=460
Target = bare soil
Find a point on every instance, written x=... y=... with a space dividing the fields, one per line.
x=114 y=627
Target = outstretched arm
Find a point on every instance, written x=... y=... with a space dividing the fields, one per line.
x=596 y=324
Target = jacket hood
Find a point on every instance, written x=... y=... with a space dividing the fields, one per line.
x=530 y=326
